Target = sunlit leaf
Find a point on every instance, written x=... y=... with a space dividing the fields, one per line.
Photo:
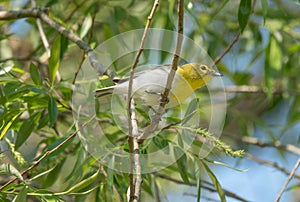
x=54 y=59
x=5 y=128
x=86 y=26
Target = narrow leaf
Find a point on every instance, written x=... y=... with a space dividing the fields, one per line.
x=54 y=59
x=22 y=196
x=86 y=25
x=52 y=176
x=181 y=164
x=8 y=124
x=84 y=183
x=52 y=111
x=9 y=169
x=198 y=190
x=244 y=13
x=35 y=74
x=264 y=5
x=25 y=130
x=191 y=110
x=215 y=182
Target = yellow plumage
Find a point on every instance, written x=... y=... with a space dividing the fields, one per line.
x=149 y=84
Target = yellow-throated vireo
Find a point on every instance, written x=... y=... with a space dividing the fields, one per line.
x=148 y=85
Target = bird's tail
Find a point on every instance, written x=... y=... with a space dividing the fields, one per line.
x=104 y=91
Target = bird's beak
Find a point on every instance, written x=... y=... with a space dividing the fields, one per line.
x=214 y=73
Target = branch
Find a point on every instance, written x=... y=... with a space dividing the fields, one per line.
x=47 y=153
x=204 y=184
x=164 y=96
x=42 y=13
x=227 y=49
x=269 y=163
x=234 y=40
x=135 y=188
x=288 y=180
x=277 y=144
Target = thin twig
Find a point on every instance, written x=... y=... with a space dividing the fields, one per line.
x=88 y=42
x=269 y=163
x=41 y=13
x=204 y=184
x=135 y=156
x=164 y=96
x=228 y=48
x=277 y=144
x=47 y=153
x=288 y=180
x=41 y=30
x=134 y=194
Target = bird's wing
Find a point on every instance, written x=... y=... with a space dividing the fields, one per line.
x=137 y=74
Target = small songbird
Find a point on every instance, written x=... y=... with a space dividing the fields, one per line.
x=148 y=85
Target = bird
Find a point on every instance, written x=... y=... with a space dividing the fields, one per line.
x=148 y=85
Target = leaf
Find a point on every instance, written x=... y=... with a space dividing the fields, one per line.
x=35 y=74
x=83 y=184
x=52 y=176
x=215 y=181
x=25 y=130
x=264 y=5
x=8 y=168
x=86 y=26
x=225 y=165
x=198 y=190
x=193 y=106
x=181 y=164
x=244 y=13
x=8 y=124
x=273 y=63
x=54 y=59
x=21 y=196
x=52 y=111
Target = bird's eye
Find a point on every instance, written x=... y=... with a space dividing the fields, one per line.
x=203 y=67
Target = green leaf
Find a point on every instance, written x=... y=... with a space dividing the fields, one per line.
x=264 y=5
x=275 y=55
x=198 y=190
x=86 y=26
x=273 y=63
x=54 y=59
x=215 y=181
x=8 y=125
x=181 y=164
x=51 y=177
x=52 y=111
x=25 y=130
x=83 y=184
x=35 y=74
x=244 y=13
x=191 y=110
x=22 y=196
x=9 y=169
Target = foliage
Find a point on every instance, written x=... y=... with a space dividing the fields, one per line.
x=36 y=94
